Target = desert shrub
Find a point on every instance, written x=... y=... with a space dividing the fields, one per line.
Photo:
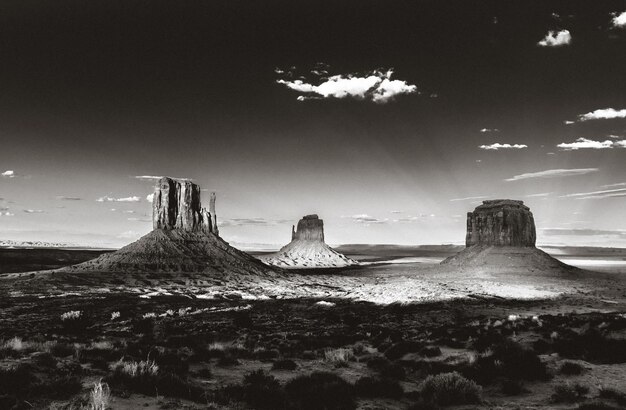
x=569 y=393
x=45 y=359
x=509 y=360
x=592 y=346
x=170 y=362
x=396 y=351
x=320 y=390
x=263 y=391
x=597 y=405
x=73 y=321
x=512 y=387
x=266 y=354
x=284 y=364
x=205 y=373
x=430 y=351
x=338 y=357
x=16 y=380
x=613 y=394
x=423 y=405
x=450 y=389
x=386 y=368
x=58 y=388
x=487 y=340
x=571 y=368
x=227 y=360
x=99 y=397
x=61 y=349
x=374 y=387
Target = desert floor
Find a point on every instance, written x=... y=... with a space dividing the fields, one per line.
x=334 y=340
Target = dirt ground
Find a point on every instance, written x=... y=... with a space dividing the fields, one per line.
x=566 y=350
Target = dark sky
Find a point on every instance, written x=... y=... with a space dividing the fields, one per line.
x=95 y=93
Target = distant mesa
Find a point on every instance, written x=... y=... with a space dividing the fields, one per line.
x=501 y=237
x=185 y=239
x=307 y=248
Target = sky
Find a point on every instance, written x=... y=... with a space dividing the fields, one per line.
x=389 y=119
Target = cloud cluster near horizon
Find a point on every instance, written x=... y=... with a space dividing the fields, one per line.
x=583 y=232
x=8 y=174
x=603 y=114
x=497 y=146
x=619 y=20
x=107 y=198
x=584 y=143
x=376 y=86
x=552 y=173
x=608 y=193
x=556 y=39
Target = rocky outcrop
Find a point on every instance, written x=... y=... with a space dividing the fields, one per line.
x=501 y=239
x=501 y=222
x=307 y=248
x=176 y=205
x=310 y=228
x=184 y=240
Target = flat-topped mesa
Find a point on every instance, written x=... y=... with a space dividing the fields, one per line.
x=501 y=222
x=310 y=228
x=176 y=205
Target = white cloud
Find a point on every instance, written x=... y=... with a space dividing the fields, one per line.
x=568 y=122
x=107 y=198
x=584 y=143
x=619 y=20
x=489 y=130
x=8 y=174
x=553 y=173
x=556 y=39
x=377 y=87
x=149 y=197
x=608 y=193
x=603 y=114
x=496 y=146
x=33 y=211
x=6 y=213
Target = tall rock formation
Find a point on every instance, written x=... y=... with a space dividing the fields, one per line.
x=176 y=205
x=501 y=222
x=307 y=248
x=184 y=240
x=501 y=238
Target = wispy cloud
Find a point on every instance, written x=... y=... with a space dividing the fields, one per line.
x=619 y=20
x=613 y=185
x=540 y=195
x=253 y=222
x=583 y=232
x=107 y=198
x=9 y=173
x=553 y=173
x=483 y=130
x=366 y=219
x=497 y=146
x=68 y=198
x=584 y=143
x=608 y=193
x=603 y=114
x=376 y=86
x=556 y=39
x=469 y=198
x=396 y=212
x=33 y=211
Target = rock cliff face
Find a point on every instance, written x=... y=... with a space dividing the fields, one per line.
x=307 y=248
x=176 y=205
x=501 y=222
x=310 y=228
